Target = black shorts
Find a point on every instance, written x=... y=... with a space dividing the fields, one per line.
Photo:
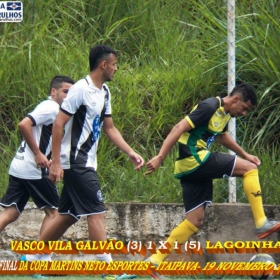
x=42 y=191
x=198 y=185
x=81 y=194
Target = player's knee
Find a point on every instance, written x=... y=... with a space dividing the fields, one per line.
x=198 y=223
x=251 y=166
x=10 y=215
x=50 y=213
x=14 y=217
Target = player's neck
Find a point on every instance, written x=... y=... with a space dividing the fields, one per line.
x=97 y=79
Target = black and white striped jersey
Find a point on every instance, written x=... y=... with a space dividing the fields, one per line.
x=87 y=105
x=23 y=164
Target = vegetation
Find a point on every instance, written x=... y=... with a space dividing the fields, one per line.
x=172 y=54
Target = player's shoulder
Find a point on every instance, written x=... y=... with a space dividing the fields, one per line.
x=82 y=83
x=47 y=103
x=105 y=87
x=211 y=103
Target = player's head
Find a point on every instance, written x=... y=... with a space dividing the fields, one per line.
x=243 y=98
x=104 y=58
x=246 y=92
x=59 y=87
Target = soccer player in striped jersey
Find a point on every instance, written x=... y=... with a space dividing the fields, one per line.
x=196 y=166
x=84 y=112
x=28 y=173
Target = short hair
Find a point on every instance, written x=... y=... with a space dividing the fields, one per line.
x=57 y=81
x=246 y=92
x=97 y=54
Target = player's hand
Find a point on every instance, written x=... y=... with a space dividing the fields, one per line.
x=41 y=160
x=136 y=159
x=253 y=159
x=56 y=173
x=153 y=164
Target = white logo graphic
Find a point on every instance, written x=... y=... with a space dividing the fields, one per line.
x=11 y=11
x=99 y=195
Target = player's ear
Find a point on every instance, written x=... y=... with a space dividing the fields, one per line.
x=236 y=98
x=53 y=93
x=103 y=64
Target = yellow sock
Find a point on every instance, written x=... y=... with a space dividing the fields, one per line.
x=252 y=190
x=181 y=234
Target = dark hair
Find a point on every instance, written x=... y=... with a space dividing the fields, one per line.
x=97 y=54
x=246 y=92
x=57 y=81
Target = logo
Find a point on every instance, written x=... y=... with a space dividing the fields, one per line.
x=99 y=195
x=258 y=193
x=11 y=11
x=96 y=128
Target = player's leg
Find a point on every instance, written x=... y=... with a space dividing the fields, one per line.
x=50 y=214
x=9 y=215
x=45 y=196
x=13 y=201
x=83 y=189
x=249 y=172
x=66 y=216
x=97 y=232
x=96 y=227
x=196 y=195
x=85 y=192
x=180 y=234
x=57 y=227
x=252 y=189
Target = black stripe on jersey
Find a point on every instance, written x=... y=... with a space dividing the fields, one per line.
x=32 y=119
x=104 y=107
x=46 y=134
x=204 y=111
x=66 y=112
x=77 y=128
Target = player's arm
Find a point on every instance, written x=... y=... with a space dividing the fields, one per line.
x=115 y=136
x=25 y=128
x=167 y=145
x=227 y=141
x=56 y=172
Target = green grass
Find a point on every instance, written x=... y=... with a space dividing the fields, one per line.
x=171 y=55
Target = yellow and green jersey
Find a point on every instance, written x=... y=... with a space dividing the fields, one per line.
x=207 y=119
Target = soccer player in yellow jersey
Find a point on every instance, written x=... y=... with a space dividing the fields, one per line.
x=196 y=166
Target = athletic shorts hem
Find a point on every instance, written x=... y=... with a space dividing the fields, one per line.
x=67 y=213
x=80 y=215
x=8 y=205
x=48 y=206
x=90 y=214
x=233 y=167
x=207 y=202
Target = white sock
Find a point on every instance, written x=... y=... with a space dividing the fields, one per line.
x=46 y=257
x=104 y=257
x=31 y=258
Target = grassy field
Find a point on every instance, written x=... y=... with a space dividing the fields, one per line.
x=171 y=55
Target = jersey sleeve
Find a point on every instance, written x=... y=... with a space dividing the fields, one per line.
x=108 y=107
x=225 y=128
x=202 y=113
x=73 y=100
x=45 y=113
